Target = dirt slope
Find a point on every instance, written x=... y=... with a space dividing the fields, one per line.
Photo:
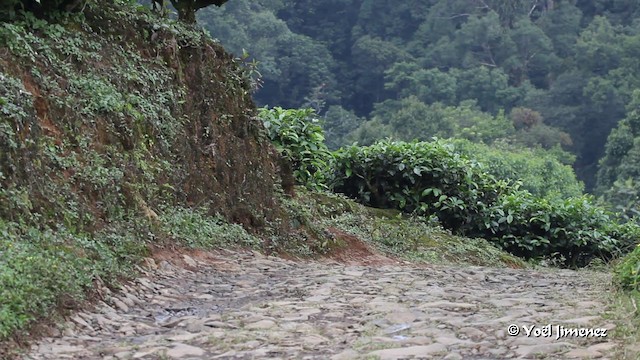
x=120 y=110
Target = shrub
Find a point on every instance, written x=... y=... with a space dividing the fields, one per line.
x=627 y=272
x=298 y=136
x=425 y=177
x=430 y=178
x=573 y=229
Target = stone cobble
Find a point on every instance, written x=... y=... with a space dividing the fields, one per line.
x=248 y=306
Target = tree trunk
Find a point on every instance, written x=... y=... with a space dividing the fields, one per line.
x=186 y=10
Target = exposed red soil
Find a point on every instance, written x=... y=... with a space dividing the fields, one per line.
x=349 y=250
x=354 y=251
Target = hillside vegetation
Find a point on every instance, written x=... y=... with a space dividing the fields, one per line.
x=113 y=124
x=528 y=88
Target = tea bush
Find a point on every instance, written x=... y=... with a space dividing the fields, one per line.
x=574 y=229
x=430 y=178
x=627 y=272
x=426 y=177
x=298 y=136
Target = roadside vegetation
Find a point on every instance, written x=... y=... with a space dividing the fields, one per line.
x=107 y=154
x=445 y=184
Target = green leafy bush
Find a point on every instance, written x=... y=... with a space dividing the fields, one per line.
x=427 y=177
x=430 y=178
x=627 y=272
x=574 y=229
x=298 y=136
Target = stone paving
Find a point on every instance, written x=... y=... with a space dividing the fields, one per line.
x=248 y=306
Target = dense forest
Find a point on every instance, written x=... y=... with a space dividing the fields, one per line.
x=555 y=75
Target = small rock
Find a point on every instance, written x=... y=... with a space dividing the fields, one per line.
x=582 y=354
x=127 y=330
x=80 y=321
x=180 y=350
x=605 y=346
x=205 y=297
x=261 y=325
x=251 y=344
x=133 y=298
x=354 y=273
x=219 y=324
x=450 y=340
x=473 y=333
x=189 y=261
x=149 y=263
x=228 y=355
x=345 y=355
x=120 y=305
x=499 y=353
x=122 y=355
x=127 y=301
x=400 y=317
x=312 y=341
x=397 y=328
x=453 y=356
x=166 y=266
x=408 y=351
x=147 y=352
x=542 y=349
x=185 y=337
x=89 y=338
x=443 y=304
x=171 y=321
x=585 y=320
x=195 y=326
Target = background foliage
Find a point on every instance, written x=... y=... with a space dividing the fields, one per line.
x=572 y=62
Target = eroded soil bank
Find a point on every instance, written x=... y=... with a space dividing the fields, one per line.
x=235 y=305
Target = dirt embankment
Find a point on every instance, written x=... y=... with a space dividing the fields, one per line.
x=121 y=111
x=116 y=125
